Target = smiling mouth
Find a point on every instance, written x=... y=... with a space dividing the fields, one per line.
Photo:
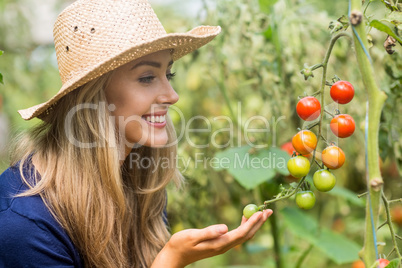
x=155 y=119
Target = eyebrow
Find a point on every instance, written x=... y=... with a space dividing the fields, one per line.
x=150 y=63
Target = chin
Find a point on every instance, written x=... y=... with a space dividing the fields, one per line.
x=156 y=144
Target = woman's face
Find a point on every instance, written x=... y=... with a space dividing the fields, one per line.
x=142 y=94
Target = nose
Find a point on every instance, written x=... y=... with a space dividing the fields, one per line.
x=168 y=95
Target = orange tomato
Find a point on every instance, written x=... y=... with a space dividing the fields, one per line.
x=304 y=142
x=333 y=157
x=396 y=214
x=358 y=264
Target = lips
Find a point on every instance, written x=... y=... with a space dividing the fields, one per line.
x=157 y=119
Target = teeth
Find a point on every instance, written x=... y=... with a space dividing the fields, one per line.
x=156 y=119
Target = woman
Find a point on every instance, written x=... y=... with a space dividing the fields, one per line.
x=72 y=197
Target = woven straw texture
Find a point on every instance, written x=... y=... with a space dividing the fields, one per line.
x=93 y=37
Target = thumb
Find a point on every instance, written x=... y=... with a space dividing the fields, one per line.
x=211 y=232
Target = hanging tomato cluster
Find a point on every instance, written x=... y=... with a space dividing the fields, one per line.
x=305 y=143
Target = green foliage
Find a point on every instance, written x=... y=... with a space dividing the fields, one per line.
x=347 y=195
x=394 y=263
x=251 y=167
x=336 y=247
x=384 y=28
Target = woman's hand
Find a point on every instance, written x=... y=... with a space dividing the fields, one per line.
x=191 y=245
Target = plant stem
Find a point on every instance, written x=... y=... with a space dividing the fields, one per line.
x=395 y=200
x=273 y=219
x=361 y=195
x=324 y=66
x=391 y=228
x=331 y=114
x=382 y=225
x=376 y=99
x=303 y=256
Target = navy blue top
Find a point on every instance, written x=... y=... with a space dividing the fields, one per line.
x=29 y=234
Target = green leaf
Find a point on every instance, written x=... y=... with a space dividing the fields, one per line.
x=394 y=263
x=251 y=167
x=336 y=247
x=266 y=5
x=394 y=18
x=389 y=6
x=347 y=195
x=268 y=33
x=1 y=52
x=384 y=28
x=281 y=159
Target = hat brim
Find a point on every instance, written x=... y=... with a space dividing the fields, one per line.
x=180 y=43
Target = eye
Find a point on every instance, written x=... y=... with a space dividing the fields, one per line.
x=170 y=76
x=146 y=79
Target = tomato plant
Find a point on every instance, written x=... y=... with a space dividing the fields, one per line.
x=298 y=166
x=249 y=210
x=304 y=142
x=305 y=199
x=342 y=125
x=342 y=92
x=333 y=157
x=324 y=180
x=308 y=108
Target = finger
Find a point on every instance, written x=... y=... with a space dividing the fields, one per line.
x=232 y=238
x=210 y=232
x=258 y=225
x=243 y=220
x=268 y=213
x=247 y=230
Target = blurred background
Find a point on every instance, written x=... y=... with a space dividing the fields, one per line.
x=252 y=69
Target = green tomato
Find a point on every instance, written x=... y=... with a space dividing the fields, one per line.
x=324 y=180
x=249 y=210
x=305 y=199
x=298 y=166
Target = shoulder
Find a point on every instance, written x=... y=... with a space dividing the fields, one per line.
x=29 y=234
x=31 y=207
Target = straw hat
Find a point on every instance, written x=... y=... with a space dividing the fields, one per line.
x=93 y=37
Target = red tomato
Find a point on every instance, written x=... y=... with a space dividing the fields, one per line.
x=304 y=142
x=383 y=262
x=342 y=92
x=288 y=147
x=308 y=108
x=333 y=157
x=342 y=125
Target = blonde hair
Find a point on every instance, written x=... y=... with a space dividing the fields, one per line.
x=112 y=212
